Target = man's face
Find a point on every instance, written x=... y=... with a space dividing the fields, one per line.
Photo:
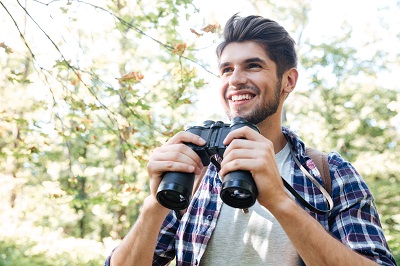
x=249 y=87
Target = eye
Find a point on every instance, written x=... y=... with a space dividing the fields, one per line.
x=254 y=65
x=226 y=70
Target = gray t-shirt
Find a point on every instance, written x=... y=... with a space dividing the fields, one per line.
x=254 y=238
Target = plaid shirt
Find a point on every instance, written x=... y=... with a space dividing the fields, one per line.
x=353 y=220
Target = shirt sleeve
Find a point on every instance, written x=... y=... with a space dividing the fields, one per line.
x=165 y=248
x=354 y=219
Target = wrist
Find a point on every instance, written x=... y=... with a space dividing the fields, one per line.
x=280 y=207
x=152 y=205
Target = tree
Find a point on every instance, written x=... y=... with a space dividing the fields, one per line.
x=81 y=139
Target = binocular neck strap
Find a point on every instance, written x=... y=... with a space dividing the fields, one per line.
x=293 y=191
x=315 y=182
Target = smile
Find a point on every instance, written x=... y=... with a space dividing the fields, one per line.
x=236 y=98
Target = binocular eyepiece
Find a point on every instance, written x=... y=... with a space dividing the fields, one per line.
x=238 y=188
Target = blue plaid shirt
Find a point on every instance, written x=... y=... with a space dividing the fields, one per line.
x=353 y=220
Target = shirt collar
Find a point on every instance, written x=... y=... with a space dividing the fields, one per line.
x=295 y=142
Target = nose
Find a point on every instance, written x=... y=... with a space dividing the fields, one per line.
x=237 y=78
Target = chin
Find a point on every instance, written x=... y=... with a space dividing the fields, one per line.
x=233 y=115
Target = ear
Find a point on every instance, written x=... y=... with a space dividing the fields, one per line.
x=290 y=80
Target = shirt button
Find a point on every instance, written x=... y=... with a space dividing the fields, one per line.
x=209 y=217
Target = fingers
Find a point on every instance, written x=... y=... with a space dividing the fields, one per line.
x=246 y=155
x=183 y=137
x=247 y=150
x=242 y=133
x=174 y=158
x=246 y=138
x=174 y=155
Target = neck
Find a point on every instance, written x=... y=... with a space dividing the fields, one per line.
x=273 y=132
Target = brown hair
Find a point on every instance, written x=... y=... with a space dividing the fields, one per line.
x=276 y=41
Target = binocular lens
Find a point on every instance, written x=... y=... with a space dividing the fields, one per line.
x=239 y=190
x=172 y=200
x=172 y=196
x=240 y=194
x=238 y=198
x=175 y=190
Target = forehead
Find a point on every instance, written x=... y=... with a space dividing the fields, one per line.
x=236 y=52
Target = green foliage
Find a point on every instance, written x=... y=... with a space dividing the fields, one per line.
x=349 y=107
x=346 y=110
x=387 y=201
x=14 y=255
x=81 y=128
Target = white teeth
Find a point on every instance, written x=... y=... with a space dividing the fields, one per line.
x=241 y=97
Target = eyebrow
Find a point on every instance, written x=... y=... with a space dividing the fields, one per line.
x=247 y=61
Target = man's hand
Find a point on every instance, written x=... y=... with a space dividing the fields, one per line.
x=249 y=150
x=137 y=247
x=174 y=156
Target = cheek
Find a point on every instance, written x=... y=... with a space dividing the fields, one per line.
x=223 y=87
x=221 y=95
x=222 y=90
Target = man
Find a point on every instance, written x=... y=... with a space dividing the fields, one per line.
x=257 y=64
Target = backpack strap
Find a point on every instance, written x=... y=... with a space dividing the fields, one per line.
x=315 y=182
x=321 y=162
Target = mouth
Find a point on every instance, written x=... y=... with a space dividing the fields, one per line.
x=241 y=97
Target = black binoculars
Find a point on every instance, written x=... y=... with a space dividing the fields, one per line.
x=238 y=187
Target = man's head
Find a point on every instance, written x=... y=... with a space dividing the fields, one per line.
x=257 y=65
x=276 y=41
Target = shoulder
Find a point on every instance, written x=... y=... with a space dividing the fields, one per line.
x=344 y=174
x=348 y=185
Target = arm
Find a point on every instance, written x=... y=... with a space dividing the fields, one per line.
x=315 y=245
x=354 y=219
x=138 y=246
x=143 y=234
x=310 y=238
x=353 y=222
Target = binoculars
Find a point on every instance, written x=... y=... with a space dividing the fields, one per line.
x=238 y=187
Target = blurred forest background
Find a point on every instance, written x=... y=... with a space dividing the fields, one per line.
x=89 y=88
